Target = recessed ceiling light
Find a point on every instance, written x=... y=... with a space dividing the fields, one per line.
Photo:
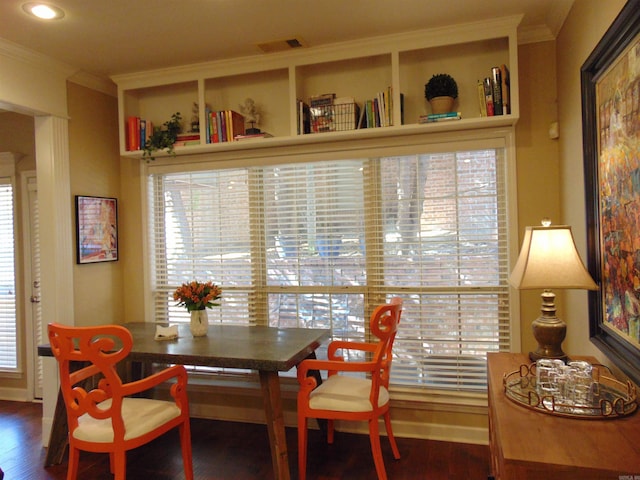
x=44 y=11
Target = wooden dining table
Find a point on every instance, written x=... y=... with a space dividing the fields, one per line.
x=265 y=349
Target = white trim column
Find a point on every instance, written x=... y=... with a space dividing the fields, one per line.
x=56 y=260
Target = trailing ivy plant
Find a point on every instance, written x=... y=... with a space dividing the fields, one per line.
x=163 y=137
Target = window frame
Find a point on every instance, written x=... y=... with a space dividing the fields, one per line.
x=393 y=145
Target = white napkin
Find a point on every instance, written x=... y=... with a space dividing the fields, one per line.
x=166 y=333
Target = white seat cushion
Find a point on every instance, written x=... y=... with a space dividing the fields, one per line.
x=140 y=415
x=345 y=394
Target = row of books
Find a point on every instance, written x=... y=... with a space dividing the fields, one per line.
x=138 y=132
x=224 y=126
x=494 y=95
x=378 y=111
x=328 y=113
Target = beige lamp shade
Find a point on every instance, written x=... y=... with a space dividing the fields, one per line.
x=549 y=259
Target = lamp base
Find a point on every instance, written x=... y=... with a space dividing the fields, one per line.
x=549 y=331
x=549 y=339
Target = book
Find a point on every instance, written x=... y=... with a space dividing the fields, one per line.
x=440 y=117
x=481 y=100
x=143 y=133
x=252 y=136
x=303 y=116
x=187 y=136
x=322 y=100
x=506 y=89
x=488 y=96
x=184 y=143
x=219 y=126
x=235 y=125
x=496 y=85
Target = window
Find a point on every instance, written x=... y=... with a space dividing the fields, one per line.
x=319 y=244
x=8 y=339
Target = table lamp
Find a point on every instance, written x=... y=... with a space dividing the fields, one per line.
x=549 y=259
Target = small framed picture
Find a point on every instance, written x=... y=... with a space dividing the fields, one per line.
x=96 y=229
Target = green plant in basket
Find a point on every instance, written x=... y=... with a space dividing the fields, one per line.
x=163 y=137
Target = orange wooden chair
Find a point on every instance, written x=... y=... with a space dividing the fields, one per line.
x=107 y=418
x=345 y=397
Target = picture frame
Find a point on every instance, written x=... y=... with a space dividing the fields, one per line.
x=610 y=84
x=96 y=229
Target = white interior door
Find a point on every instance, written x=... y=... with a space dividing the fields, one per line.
x=33 y=309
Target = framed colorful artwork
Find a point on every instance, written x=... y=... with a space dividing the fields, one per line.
x=610 y=81
x=96 y=229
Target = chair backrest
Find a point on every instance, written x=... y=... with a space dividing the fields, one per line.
x=384 y=325
x=85 y=352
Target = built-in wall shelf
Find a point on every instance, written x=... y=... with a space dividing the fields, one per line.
x=358 y=69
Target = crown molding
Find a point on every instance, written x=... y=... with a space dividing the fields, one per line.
x=534 y=34
x=35 y=59
x=94 y=82
x=72 y=74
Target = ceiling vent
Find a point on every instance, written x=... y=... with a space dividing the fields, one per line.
x=282 y=45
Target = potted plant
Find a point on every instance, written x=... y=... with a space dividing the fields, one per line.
x=163 y=137
x=440 y=91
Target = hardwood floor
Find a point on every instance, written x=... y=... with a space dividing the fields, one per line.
x=237 y=451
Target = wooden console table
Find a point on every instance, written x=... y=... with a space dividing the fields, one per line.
x=527 y=445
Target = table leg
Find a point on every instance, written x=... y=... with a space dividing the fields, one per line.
x=59 y=435
x=270 y=384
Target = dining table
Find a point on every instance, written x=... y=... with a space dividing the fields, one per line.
x=267 y=350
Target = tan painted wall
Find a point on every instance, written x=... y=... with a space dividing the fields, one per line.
x=537 y=159
x=95 y=170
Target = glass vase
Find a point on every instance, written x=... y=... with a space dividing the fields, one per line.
x=199 y=323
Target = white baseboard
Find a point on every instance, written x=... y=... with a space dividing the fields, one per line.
x=14 y=394
x=401 y=429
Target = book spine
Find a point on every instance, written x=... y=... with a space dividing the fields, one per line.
x=442 y=119
x=444 y=115
x=213 y=119
x=496 y=83
x=390 y=97
x=219 y=127
x=506 y=89
x=143 y=133
x=481 y=100
x=133 y=133
x=208 y=125
x=488 y=96
x=237 y=124
x=223 y=126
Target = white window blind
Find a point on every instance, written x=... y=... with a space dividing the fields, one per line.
x=320 y=244
x=201 y=231
x=8 y=339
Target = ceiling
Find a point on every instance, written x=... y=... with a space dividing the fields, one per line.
x=108 y=37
